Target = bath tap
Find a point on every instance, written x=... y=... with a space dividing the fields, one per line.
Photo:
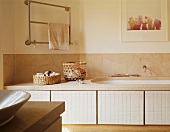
x=144 y=67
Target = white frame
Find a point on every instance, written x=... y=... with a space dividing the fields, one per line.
x=145 y=35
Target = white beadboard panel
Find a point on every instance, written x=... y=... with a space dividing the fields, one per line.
x=80 y=106
x=120 y=107
x=157 y=107
x=39 y=95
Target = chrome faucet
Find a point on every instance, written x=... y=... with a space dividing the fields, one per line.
x=144 y=67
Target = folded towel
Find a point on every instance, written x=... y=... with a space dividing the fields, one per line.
x=58 y=35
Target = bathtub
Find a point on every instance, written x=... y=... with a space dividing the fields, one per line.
x=129 y=81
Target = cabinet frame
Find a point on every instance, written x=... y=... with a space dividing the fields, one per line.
x=97 y=100
x=47 y=96
x=140 y=108
x=159 y=106
x=87 y=104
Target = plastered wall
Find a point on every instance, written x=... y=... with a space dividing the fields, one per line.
x=96 y=28
x=1 y=57
x=101 y=30
x=7 y=32
x=39 y=32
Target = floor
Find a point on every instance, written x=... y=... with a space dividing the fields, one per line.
x=114 y=128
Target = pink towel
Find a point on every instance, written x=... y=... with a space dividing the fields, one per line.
x=58 y=35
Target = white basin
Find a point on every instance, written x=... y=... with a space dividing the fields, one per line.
x=10 y=103
x=115 y=81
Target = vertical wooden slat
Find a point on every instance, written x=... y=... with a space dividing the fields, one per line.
x=97 y=107
x=124 y=107
x=158 y=113
x=78 y=105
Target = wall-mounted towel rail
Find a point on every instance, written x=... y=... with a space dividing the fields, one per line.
x=28 y=2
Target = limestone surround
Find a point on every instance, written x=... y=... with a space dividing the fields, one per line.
x=19 y=68
x=101 y=65
x=8 y=69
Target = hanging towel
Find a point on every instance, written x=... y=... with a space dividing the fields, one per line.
x=58 y=36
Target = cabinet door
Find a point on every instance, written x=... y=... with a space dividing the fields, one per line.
x=120 y=107
x=80 y=106
x=157 y=107
x=39 y=95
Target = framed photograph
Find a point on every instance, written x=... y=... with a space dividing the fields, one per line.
x=144 y=20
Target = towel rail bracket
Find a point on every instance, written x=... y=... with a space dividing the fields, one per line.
x=26 y=2
x=28 y=42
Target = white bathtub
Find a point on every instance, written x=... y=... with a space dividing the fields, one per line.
x=112 y=81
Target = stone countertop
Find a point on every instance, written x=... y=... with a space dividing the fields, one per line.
x=90 y=86
x=34 y=117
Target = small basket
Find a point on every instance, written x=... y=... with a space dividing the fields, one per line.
x=74 y=70
x=46 y=80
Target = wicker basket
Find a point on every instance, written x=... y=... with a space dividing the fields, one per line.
x=46 y=80
x=74 y=70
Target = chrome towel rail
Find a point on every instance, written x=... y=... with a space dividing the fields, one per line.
x=28 y=2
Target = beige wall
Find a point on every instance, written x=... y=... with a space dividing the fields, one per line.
x=96 y=26
x=101 y=30
x=19 y=68
x=7 y=32
x=9 y=69
x=39 y=32
x=169 y=19
x=8 y=27
x=102 y=65
x=1 y=73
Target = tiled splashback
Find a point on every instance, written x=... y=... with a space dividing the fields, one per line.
x=19 y=68
x=9 y=69
x=24 y=66
x=109 y=64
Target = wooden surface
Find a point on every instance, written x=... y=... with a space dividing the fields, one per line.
x=35 y=117
x=114 y=128
x=55 y=127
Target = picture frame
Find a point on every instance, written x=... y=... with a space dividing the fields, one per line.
x=144 y=20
